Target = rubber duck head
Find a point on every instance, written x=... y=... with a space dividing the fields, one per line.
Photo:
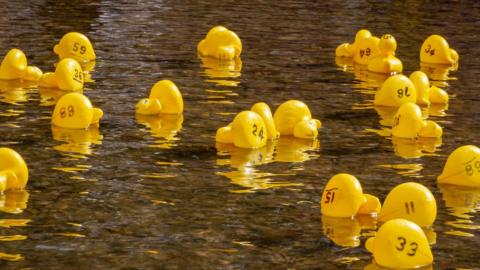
x=348 y=50
x=169 y=96
x=422 y=85
x=462 y=167
x=435 y=50
x=395 y=91
x=365 y=50
x=264 y=111
x=385 y=61
x=220 y=43
x=427 y=94
x=411 y=201
x=400 y=243
x=14 y=66
x=408 y=123
x=74 y=110
x=246 y=131
x=294 y=118
x=68 y=76
x=75 y=45
x=343 y=197
x=13 y=170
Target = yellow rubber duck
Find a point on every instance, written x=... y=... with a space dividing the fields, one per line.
x=411 y=201
x=13 y=170
x=400 y=243
x=75 y=45
x=164 y=98
x=343 y=197
x=347 y=49
x=385 y=61
x=294 y=118
x=74 y=110
x=246 y=131
x=435 y=50
x=68 y=76
x=427 y=94
x=462 y=167
x=408 y=123
x=220 y=43
x=14 y=66
x=395 y=91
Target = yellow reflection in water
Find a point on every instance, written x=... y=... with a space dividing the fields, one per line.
x=374 y=266
x=412 y=170
x=346 y=232
x=438 y=74
x=7 y=223
x=462 y=203
x=244 y=162
x=8 y=238
x=77 y=141
x=163 y=127
x=50 y=96
x=14 y=201
x=367 y=82
x=222 y=73
x=11 y=257
x=415 y=148
x=15 y=91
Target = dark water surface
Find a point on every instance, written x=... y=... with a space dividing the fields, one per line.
x=154 y=192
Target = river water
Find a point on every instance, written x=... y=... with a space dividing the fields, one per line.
x=157 y=193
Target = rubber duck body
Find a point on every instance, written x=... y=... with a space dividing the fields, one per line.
x=164 y=98
x=427 y=94
x=343 y=197
x=400 y=243
x=220 y=43
x=294 y=118
x=385 y=61
x=13 y=170
x=411 y=201
x=395 y=91
x=68 y=76
x=408 y=123
x=75 y=45
x=347 y=49
x=14 y=66
x=74 y=110
x=462 y=167
x=246 y=131
x=435 y=50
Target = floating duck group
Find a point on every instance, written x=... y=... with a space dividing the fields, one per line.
x=407 y=210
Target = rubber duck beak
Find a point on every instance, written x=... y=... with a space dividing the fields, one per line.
x=97 y=115
x=370 y=244
x=454 y=55
x=431 y=130
x=227 y=53
x=371 y=205
x=318 y=123
x=33 y=74
x=224 y=134
x=438 y=95
x=55 y=49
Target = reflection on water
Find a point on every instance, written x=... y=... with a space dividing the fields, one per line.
x=50 y=96
x=365 y=82
x=223 y=74
x=245 y=162
x=346 y=232
x=163 y=127
x=462 y=203
x=14 y=201
x=438 y=74
x=76 y=147
x=11 y=224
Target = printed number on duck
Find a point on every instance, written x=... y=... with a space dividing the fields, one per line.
x=64 y=110
x=430 y=50
x=254 y=132
x=76 y=47
x=401 y=93
x=77 y=76
x=403 y=242
x=331 y=192
x=469 y=168
x=365 y=52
